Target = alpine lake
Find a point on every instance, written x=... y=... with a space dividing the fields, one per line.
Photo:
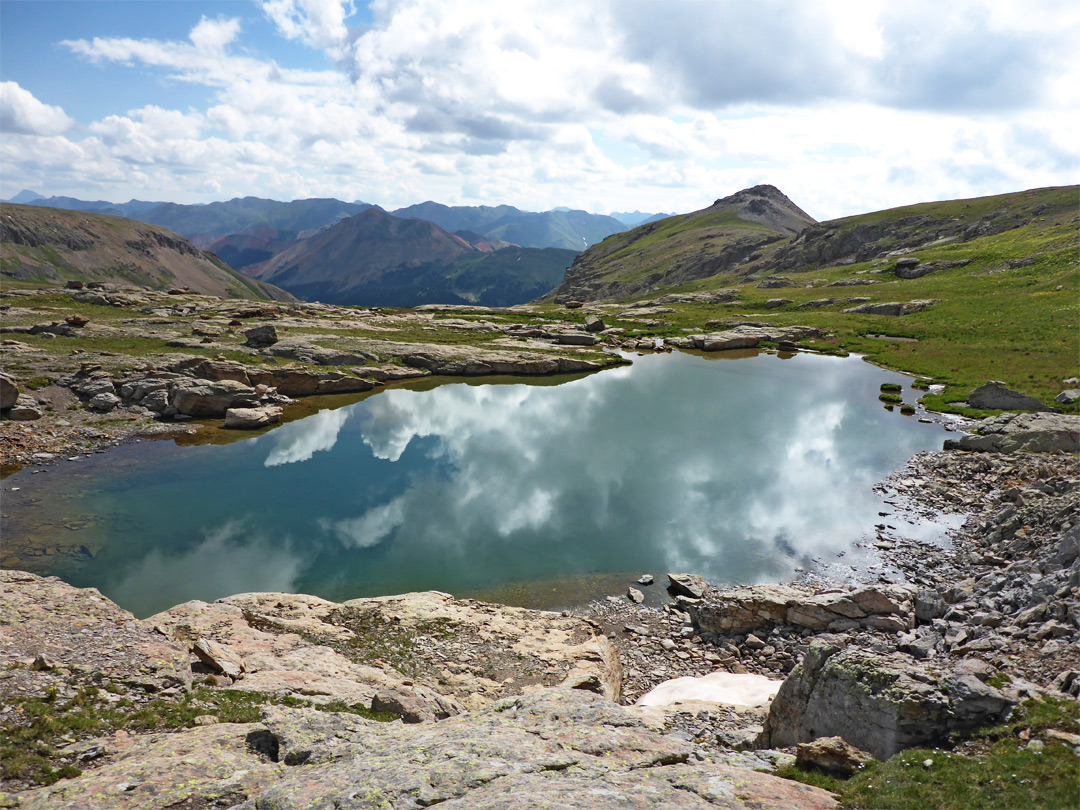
x=742 y=467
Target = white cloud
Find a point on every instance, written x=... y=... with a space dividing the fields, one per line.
x=846 y=106
x=23 y=114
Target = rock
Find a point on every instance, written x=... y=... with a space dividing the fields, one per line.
x=79 y=630
x=929 y=605
x=635 y=596
x=213 y=765
x=773 y=303
x=1024 y=432
x=687 y=585
x=645 y=579
x=593 y=323
x=1068 y=397
x=555 y=748
x=218 y=658
x=304 y=351
x=252 y=418
x=78 y=321
x=774 y=282
x=748 y=337
x=207 y=398
x=832 y=755
x=573 y=305
x=881 y=704
x=25 y=409
x=9 y=392
x=260 y=337
x=993 y=395
x=73 y=285
x=576 y=339
x=103 y=403
x=416 y=704
x=292 y=644
x=907 y=262
x=892 y=308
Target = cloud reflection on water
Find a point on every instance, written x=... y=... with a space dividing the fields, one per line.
x=299 y=441
x=740 y=478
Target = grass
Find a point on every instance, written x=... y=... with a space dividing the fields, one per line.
x=32 y=734
x=994 y=769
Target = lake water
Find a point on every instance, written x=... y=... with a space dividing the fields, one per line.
x=737 y=468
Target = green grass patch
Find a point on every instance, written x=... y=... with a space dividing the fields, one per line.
x=891 y=388
x=892 y=399
x=995 y=769
x=34 y=731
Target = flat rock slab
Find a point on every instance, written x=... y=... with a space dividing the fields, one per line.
x=211 y=766
x=471 y=652
x=77 y=630
x=554 y=748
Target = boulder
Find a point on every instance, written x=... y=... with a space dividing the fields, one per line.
x=1068 y=397
x=594 y=323
x=78 y=321
x=1024 y=432
x=773 y=303
x=687 y=585
x=252 y=418
x=104 y=402
x=879 y=703
x=218 y=658
x=832 y=755
x=309 y=353
x=260 y=337
x=576 y=339
x=749 y=337
x=993 y=395
x=205 y=398
x=9 y=392
x=25 y=409
x=892 y=308
x=775 y=282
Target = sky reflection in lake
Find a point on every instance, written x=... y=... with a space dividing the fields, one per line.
x=736 y=469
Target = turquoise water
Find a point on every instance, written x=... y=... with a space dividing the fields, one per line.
x=737 y=469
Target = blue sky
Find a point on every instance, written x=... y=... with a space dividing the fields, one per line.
x=846 y=105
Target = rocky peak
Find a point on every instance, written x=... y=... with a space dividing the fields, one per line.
x=769 y=206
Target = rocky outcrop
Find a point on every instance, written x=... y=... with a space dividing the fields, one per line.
x=61 y=632
x=993 y=395
x=551 y=749
x=467 y=651
x=1025 y=432
x=746 y=336
x=879 y=703
x=892 y=308
x=763 y=607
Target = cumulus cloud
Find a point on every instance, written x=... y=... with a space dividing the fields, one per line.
x=22 y=113
x=846 y=106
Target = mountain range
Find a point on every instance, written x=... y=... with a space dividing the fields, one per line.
x=379 y=259
x=266 y=227
x=54 y=246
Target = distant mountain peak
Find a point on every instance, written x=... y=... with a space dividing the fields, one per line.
x=767 y=205
x=26 y=196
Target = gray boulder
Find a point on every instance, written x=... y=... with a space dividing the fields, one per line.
x=25 y=409
x=576 y=339
x=207 y=398
x=9 y=392
x=879 y=703
x=687 y=585
x=1023 y=432
x=993 y=395
x=892 y=308
x=252 y=418
x=1068 y=397
x=104 y=402
x=594 y=323
x=773 y=303
x=260 y=337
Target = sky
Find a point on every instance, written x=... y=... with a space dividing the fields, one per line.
x=847 y=106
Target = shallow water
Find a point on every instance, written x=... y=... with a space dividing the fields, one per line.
x=739 y=469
